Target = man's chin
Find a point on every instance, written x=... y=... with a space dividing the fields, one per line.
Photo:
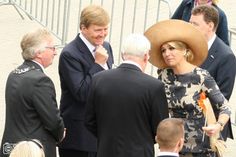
x=99 y=42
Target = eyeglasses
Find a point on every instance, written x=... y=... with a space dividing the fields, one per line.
x=53 y=48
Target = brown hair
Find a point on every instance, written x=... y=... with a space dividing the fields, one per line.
x=94 y=14
x=169 y=132
x=210 y=14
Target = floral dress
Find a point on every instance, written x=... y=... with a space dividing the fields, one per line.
x=183 y=93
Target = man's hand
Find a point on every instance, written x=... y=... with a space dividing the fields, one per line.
x=101 y=55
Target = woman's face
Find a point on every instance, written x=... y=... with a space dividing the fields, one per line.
x=171 y=55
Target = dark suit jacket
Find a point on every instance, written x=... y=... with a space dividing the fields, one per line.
x=221 y=64
x=184 y=12
x=76 y=68
x=31 y=109
x=166 y=156
x=124 y=108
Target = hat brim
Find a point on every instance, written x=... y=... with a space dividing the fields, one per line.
x=176 y=30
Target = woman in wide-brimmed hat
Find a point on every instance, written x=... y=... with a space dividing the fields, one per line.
x=177 y=49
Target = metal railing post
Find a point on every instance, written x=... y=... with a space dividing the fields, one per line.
x=65 y=21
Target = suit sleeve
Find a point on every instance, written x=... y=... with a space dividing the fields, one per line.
x=90 y=115
x=222 y=29
x=178 y=14
x=218 y=101
x=159 y=107
x=44 y=100
x=226 y=75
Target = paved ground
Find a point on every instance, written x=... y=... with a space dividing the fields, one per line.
x=12 y=28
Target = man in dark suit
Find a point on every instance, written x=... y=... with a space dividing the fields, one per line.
x=86 y=55
x=31 y=107
x=170 y=137
x=125 y=104
x=221 y=62
x=185 y=8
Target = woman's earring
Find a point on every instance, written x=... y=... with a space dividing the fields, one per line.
x=186 y=54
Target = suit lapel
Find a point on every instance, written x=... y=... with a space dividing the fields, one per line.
x=109 y=51
x=83 y=49
x=212 y=55
x=110 y=61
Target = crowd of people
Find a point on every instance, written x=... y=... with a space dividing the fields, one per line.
x=122 y=112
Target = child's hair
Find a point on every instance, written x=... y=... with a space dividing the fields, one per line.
x=30 y=148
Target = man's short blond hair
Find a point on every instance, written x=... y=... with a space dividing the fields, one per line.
x=94 y=14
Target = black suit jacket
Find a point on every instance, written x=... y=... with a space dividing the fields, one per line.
x=221 y=64
x=125 y=106
x=76 y=68
x=166 y=156
x=31 y=109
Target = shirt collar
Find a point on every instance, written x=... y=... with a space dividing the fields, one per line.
x=90 y=46
x=132 y=62
x=210 y=42
x=168 y=153
x=39 y=65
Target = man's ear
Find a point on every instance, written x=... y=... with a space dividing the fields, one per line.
x=211 y=25
x=146 y=57
x=156 y=138
x=82 y=27
x=180 y=143
x=38 y=53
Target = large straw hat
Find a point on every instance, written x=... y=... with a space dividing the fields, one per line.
x=176 y=30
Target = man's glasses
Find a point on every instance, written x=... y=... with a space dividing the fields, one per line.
x=53 y=48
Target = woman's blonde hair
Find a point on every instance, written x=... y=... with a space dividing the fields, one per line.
x=31 y=148
x=215 y=1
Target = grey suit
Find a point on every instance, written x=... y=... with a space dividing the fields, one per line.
x=221 y=64
x=31 y=110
